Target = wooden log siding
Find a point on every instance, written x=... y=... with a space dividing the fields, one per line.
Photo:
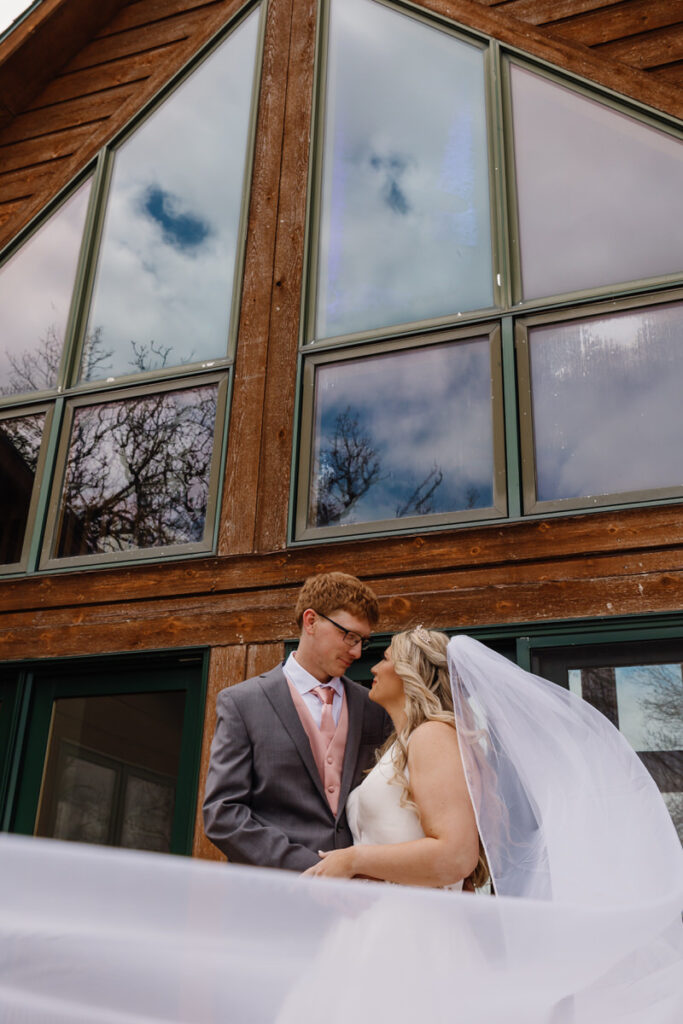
x=602 y=564
x=228 y=665
x=644 y=34
x=102 y=86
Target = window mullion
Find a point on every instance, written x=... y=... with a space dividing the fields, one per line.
x=512 y=455
x=44 y=485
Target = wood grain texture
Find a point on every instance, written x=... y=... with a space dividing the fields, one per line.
x=58 y=117
x=241 y=489
x=557 y=539
x=227 y=666
x=276 y=447
x=91 y=81
x=622 y=21
x=671 y=73
x=490 y=576
x=539 y=12
x=641 y=34
x=42 y=43
x=650 y=50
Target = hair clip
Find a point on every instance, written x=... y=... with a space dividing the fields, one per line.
x=422 y=634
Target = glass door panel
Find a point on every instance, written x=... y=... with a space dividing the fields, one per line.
x=111 y=769
x=639 y=687
x=111 y=755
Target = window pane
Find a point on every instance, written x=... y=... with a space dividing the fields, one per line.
x=606 y=396
x=138 y=473
x=599 y=194
x=20 y=440
x=35 y=294
x=167 y=260
x=645 y=701
x=403 y=434
x=405 y=227
x=111 y=768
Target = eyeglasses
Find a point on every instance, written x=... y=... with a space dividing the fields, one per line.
x=351 y=638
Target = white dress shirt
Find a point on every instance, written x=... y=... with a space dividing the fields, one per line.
x=305 y=683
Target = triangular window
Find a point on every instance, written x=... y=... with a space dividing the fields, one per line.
x=36 y=284
x=599 y=193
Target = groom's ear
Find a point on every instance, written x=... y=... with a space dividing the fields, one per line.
x=308 y=620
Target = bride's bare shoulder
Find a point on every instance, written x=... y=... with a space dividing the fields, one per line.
x=429 y=735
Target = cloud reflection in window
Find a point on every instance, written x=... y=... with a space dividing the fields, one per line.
x=185 y=231
x=405 y=222
x=403 y=434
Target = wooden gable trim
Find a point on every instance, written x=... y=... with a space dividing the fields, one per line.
x=42 y=43
x=598 y=66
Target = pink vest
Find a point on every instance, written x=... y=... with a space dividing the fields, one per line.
x=329 y=760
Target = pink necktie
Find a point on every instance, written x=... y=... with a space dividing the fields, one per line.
x=325 y=694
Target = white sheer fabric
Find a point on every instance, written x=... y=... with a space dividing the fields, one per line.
x=565 y=808
x=89 y=934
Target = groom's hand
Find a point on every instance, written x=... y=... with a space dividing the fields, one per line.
x=334 y=864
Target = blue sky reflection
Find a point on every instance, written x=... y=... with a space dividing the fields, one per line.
x=412 y=431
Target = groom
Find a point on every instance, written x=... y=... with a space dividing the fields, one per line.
x=292 y=743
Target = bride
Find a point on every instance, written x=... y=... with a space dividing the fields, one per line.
x=495 y=771
x=412 y=818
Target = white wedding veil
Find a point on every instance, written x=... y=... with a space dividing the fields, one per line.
x=565 y=808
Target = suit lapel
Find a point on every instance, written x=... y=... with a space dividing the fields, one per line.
x=355 y=698
x=274 y=686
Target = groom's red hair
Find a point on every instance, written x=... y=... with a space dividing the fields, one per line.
x=331 y=591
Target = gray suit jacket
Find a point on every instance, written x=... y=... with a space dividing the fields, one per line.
x=264 y=801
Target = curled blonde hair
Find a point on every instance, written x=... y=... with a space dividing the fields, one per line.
x=420 y=660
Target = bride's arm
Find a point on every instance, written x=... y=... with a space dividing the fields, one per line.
x=450 y=848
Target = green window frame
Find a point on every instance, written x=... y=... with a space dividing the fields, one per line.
x=485 y=333
x=18 y=412
x=49 y=559
x=515 y=314
x=523 y=325
x=71 y=392
x=28 y=694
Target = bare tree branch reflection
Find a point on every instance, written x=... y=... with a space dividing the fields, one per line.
x=349 y=467
x=420 y=503
x=138 y=472
x=661 y=705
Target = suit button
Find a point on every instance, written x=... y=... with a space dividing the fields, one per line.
x=330 y=789
x=339 y=828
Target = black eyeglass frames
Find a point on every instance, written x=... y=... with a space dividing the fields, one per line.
x=351 y=638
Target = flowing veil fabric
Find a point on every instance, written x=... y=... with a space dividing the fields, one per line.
x=587 y=929
x=566 y=810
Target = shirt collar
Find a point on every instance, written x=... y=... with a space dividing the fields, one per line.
x=304 y=681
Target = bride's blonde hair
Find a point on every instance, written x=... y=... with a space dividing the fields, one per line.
x=419 y=659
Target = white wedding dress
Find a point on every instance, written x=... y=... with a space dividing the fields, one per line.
x=375 y=813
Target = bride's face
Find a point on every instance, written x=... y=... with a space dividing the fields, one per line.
x=387 y=685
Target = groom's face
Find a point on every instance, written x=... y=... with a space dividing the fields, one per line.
x=330 y=646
